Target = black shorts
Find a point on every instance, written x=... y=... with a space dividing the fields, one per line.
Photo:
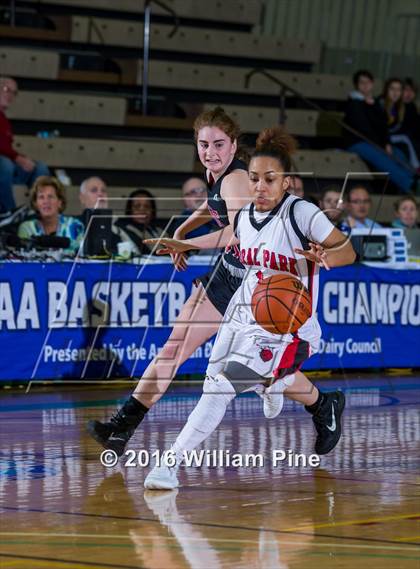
x=220 y=285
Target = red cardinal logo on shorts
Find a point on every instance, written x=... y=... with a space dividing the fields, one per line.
x=266 y=354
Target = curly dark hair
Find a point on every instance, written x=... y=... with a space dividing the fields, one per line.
x=277 y=143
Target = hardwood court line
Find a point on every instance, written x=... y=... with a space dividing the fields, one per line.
x=74 y=564
x=29 y=562
x=357 y=522
x=108 y=545
x=348 y=493
x=221 y=549
x=397 y=547
x=376 y=481
x=411 y=538
x=370 y=555
x=197 y=524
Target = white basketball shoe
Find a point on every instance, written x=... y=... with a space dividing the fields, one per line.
x=162 y=478
x=273 y=399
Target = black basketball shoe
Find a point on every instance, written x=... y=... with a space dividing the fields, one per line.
x=327 y=421
x=115 y=433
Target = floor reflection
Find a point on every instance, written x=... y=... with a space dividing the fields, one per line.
x=60 y=503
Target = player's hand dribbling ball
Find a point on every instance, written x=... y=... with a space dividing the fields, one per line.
x=281 y=304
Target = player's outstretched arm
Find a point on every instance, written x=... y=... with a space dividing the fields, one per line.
x=198 y=218
x=214 y=240
x=335 y=251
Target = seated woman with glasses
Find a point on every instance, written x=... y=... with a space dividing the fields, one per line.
x=48 y=199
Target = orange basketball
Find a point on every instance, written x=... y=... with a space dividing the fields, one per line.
x=281 y=304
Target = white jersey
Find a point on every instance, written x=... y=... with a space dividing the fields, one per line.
x=267 y=247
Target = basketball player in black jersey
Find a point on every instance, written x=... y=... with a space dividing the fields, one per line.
x=216 y=136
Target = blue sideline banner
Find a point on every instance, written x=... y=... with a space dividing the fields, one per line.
x=99 y=320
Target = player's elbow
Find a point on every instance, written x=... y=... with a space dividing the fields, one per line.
x=341 y=256
x=348 y=256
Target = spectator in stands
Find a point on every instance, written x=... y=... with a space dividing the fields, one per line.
x=331 y=203
x=48 y=199
x=406 y=213
x=358 y=204
x=297 y=189
x=15 y=168
x=93 y=193
x=365 y=115
x=398 y=130
x=412 y=115
x=140 y=222
x=296 y=186
x=410 y=91
x=194 y=193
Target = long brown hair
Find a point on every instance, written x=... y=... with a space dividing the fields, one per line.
x=388 y=104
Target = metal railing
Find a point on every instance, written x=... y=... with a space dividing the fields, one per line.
x=146 y=44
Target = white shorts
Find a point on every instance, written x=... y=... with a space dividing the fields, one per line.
x=241 y=340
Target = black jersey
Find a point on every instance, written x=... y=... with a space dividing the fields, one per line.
x=218 y=210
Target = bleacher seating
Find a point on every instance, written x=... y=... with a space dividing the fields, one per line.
x=228 y=79
x=253 y=119
x=65 y=107
x=26 y=62
x=61 y=31
x=109 y=154
x=245 y=12
x=44 y=64
x=189 y=71
x=104 y=31
x=108 y=110
x=173 y=157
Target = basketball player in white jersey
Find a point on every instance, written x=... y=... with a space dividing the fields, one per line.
x=276 y=233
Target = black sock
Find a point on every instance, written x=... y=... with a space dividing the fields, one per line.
x=134 y=408
x=315 y=407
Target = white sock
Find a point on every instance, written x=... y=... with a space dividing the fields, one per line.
x=218 y=392
x=281 y=384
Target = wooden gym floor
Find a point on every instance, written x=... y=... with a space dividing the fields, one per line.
x=62 y=509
